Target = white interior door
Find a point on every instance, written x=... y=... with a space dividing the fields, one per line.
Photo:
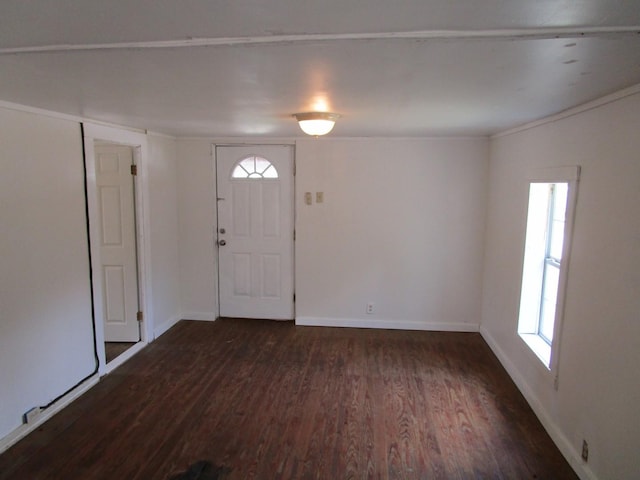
x=116 y=212
x=255 y=231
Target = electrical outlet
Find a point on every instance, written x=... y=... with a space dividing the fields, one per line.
x=370 y=308
x=585 y=451
x=31 y=415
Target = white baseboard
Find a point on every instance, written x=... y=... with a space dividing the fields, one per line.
x=561 y=441
x=166 y=325
x=386 y=324
x=202 y=316
x=23 y=430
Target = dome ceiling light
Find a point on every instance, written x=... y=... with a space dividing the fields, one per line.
x=316 y=123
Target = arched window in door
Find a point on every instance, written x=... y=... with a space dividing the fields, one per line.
x=254 y=166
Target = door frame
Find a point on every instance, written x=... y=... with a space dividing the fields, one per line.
x=138 y=142
x=214 y=155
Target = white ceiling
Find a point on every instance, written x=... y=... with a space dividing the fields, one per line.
x=242 y=67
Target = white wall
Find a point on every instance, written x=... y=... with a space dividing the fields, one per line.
x=163 y=198
x=46 y=333
x=197 y=224
x=599 y=386
x=401 y=226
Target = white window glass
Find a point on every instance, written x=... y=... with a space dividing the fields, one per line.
x=542 y=264
x=559 y=203
x=270 y=172
x=549 y=301
x=254 y=167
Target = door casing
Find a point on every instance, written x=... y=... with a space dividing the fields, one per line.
x=138 y=141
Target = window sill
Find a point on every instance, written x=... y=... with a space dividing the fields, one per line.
x=541 y=348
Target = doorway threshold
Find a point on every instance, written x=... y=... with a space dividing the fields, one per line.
x=123 y=357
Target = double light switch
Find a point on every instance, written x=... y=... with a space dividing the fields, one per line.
x=308 y=198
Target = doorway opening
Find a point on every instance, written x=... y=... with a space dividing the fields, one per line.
x=117 y=195
x=115 y=172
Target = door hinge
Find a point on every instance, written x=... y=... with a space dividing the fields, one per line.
x=134 y=170
x=294 y=298
x=294 y=235
x=139 y=316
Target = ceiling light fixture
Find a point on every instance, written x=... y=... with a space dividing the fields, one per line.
x=316 y=123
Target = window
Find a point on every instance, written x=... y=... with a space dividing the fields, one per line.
x=254 y=167
x=546 y=251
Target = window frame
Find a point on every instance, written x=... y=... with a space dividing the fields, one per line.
x=254 y=174
x=547 y=353
x=550 y=261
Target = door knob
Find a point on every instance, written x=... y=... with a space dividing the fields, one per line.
x=222 y=243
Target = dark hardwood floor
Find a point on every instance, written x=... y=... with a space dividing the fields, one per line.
x=270 y=400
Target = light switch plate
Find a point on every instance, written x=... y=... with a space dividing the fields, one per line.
x=307 y=198
x=319 y=197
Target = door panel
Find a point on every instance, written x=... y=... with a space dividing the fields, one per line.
x=271 y=211
x=271 y=275
x=241 y=274
x=255 y=235
x=115 y=297
x=111 y=213
x=116 y=210
x=241 y=210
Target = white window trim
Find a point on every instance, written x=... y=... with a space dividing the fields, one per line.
x=550 y=355
x=538 y=346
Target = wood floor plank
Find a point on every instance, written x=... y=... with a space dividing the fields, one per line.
x=269 y=400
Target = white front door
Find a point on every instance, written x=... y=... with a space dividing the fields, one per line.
x=116 y=212
x=255 y=231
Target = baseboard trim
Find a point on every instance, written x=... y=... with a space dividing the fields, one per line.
x=202 y=316
x=561 y=441
x=166 y=325
x=23 y=430
x=388 y=324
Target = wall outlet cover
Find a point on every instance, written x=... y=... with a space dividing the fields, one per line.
x=31 y=415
